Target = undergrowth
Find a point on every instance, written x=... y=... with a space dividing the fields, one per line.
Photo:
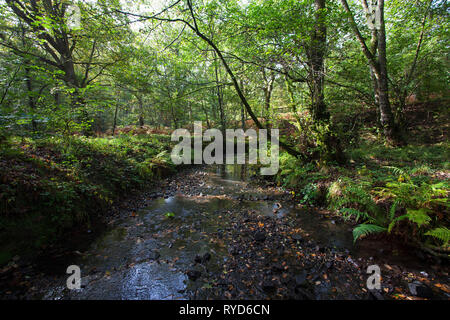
x=398 y=191
x=49 y=185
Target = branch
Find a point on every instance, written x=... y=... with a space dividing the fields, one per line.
x=21 y=53
x=360 y=38
x=419 y=45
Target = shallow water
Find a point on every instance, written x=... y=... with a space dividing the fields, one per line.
x=146 y=256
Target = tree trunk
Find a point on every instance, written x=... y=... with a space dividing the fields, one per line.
x=195 y=28
x=318 y=109
x=386 y=116
x=115 y=119
x=141 y=112
x=219 y=96
x=319 y=42
x=379 y=67
x=243 y=118
x=268 y=88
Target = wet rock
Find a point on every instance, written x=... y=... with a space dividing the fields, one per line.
x=193 y=274
x=376 y=295
x=268 y=286
x=297 y=237
x=206 y=257
x=277 y=268
x=420 y=290
x=304 y=294
x=300 y=279
x=202 y=258
x=260 y=236
x=151 y=255
x=154 y=255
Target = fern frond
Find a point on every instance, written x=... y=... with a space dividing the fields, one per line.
x=394 y=221
x=393 y=209
x=349 y=212
x=398 y=171
x=441 y=233
x=419 y=217
x=365 y=229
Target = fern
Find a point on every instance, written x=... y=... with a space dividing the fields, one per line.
x=393 y=209
x=364 y=229
x=419 y=217
x=159 y=159
x=356 y=195
x=441 y=233
x=350 y=212
x=399 y=172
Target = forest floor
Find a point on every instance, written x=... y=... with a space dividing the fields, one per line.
x=218 y=233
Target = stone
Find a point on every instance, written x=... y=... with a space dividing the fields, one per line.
x=268 y=286
x=193 y=274
x=154 y=255
x=300 y=279
x=260 y=236
x=206 y=257
x=420 y=290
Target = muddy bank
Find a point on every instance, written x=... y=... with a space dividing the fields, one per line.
x=215 y=233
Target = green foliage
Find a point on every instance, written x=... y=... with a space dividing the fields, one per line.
x=310 y=194
x=169 y=215
x=410 y=199
x=52 y=184
x=365 y=229
x=294 y=173
x=352 y=196
x=108 y=75
x=418 y=198
x=348 y=213
x=442 y=233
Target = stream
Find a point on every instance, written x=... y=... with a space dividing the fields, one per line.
x=212 y=233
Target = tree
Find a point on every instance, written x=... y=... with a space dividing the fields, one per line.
x=376 y=56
